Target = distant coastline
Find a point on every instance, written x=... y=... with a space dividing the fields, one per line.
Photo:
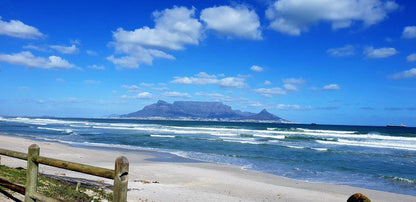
x=205 y=120
x=201 y=111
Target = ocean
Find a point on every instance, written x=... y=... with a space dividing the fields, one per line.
x=370 y=157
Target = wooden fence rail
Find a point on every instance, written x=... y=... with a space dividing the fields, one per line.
x=119 y=174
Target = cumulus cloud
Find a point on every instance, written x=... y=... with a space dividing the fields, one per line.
x=27 y=59
x=233 y=82
x=210 y=95
x=297 y=81
x=99 y=67
x=174 y=28
x=267 y=83
x=232 y=21
x=147 y=84
x=371 y=52
x=90 y=52
x=411 y=57
x=176 y=94
x=290 y=107
x=292 y=84
x=269 y=92
x=290 y=87
x=331 y=87
x=143 y=95
x=257 y=104
x=65 y=49
x=131 y=88
x=411 y=73
x=344 y=51
x=295 y=16
x=201 y=78
x=204 y=79
x=409 y=32
x=16 y=28
x=256 y=68
x=220 y=97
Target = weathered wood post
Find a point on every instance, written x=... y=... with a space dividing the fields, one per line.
x=121 y=179
x=32 y=171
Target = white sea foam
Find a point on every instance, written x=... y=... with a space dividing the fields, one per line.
x=270 y=136
x=56 y=129
x=327 y=131
x=320 y=149
x=241 y=140
x=295 y=147
x=373 y=144
x=166 y=136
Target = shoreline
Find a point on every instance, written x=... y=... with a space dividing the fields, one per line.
x=181 y=181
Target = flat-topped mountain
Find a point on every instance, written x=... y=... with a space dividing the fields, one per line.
x=199 y=110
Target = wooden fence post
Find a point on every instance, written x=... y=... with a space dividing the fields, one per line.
x=32 y=172
x=121 y=179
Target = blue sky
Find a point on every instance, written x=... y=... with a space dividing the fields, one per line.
x=324 y=61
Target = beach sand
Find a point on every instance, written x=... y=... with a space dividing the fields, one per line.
x=191 y=181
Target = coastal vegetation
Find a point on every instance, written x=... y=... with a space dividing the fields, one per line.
x=60 y=189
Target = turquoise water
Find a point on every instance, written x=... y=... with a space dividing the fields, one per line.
x=370 y=157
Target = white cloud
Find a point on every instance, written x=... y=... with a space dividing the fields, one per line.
x=292 y=84
x=233 y=82
x=60 y=80
x=409 y=32
x=26 y=58
x=204 y=79
x=90 y=52
x=176 y=94
x=269 y=92
x=256 y=104
x=16 y=28
x=411 y=57
x=295 y=16
x=75 y=41
x=143 y=95
x=267 y=83
x=99 y=67
x=174 y=28
x=256 y=68
x=331 y=87
x=380 y=52
x=290 y=87
x=210 y=95
x=293 y=107
x=131 y=88
x=200 y=79
x=344 y=51
x=294 y=81
x=233 y=22
x=411 y=73
x=220 y=97
x=160 y=89
x=147 y=84
x=65 y=49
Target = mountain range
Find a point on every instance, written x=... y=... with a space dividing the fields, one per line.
x=195 y=110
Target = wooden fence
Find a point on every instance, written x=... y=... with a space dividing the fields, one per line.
x=119 y=174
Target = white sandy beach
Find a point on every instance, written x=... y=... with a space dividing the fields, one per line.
x=191 y=181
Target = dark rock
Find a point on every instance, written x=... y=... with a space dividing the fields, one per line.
x=358 y=197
